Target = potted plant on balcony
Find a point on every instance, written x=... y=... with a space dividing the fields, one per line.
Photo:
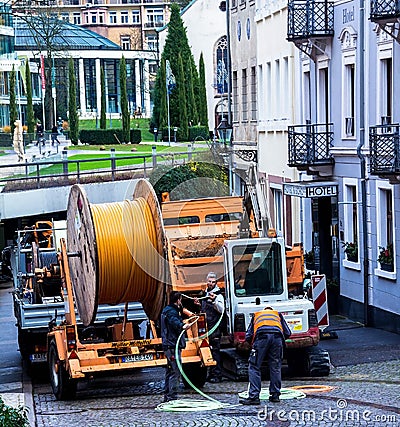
x=351 y=251
x=385 y=258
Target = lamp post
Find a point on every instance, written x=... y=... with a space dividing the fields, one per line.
x=155 y=134
x=175 y=131
x=224 y=131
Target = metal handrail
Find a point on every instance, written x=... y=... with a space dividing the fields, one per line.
x=33 y=171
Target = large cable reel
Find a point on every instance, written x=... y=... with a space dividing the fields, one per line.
x=121 y=252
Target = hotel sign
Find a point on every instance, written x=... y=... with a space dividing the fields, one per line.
x=310 y=189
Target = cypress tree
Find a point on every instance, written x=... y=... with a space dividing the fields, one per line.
x=73 y=113
x=103 y=121
x=29 y=104
x=181 y=96
x=177 y=44
x=126 y=118
x=203 y=111
x=13 y=100
x=192 y=113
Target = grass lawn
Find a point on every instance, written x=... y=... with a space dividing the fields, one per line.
x=124 y=151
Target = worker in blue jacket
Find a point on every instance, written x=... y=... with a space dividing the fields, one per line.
x=171 y=327
x=268 y=331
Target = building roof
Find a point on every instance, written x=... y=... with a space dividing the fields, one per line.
x=68 y=36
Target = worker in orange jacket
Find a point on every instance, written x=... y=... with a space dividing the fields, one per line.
x=268 y=331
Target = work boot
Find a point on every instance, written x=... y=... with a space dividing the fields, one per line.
x=274 y=398
x=250 y=401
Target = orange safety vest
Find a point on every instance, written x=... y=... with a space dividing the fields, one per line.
x=267 y=318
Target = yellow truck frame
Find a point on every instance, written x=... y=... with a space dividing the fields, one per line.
x=71 y=358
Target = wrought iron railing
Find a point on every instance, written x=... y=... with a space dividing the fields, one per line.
x=308 y=18
x=384 y=9
x=384 y=149
x=310 y=144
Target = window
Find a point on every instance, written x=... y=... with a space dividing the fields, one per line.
x=125 y=42
x=323 y=94
x=349 y=100
x=124 y=17
x=155 y=17
x=76 y=17
x=348 y=38
x=244 y=95
x=93 y=18
x=277 y=90
x=113 y=17
x=286 y=88
x=101 y=18
x=261 y=93
x=235 y=95
x=386 y=83
x=385 y=222
x=135 y=16
x=307 y=97
x=253 y=94
x=350 y=203
x=278 y=208
x=151 y=40
x=268 y=91
x=65 y=16
x=220 y=65
x=3 y=83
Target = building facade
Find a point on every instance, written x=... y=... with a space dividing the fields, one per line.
x=90 y=52
x=347 y=141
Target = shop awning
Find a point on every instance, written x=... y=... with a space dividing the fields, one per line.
x=310 y=189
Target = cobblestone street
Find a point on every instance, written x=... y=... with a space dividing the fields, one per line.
x=362 y=395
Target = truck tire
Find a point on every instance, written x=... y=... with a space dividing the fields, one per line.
x=64 y=388
x=25 y=346
x=196 y=373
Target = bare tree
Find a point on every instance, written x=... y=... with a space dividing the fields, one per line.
x=41 y=18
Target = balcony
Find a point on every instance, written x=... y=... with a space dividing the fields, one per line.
x=310 y=25
x=153 y=24
x=385 y=151
x=384 y=10
x=309 y=148
x=386 y=13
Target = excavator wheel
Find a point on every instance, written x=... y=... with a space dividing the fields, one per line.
x=196 y=373
x=63 y=387
x=234 y=365
x=310 y=362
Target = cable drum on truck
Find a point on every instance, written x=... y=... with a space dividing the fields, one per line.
x=119 y=252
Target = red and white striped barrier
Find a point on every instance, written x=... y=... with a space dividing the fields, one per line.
x=318 y=283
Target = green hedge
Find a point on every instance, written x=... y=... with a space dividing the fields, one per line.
x=5 y=140
x=136 y=136
x=106 y=136
x=199 y=132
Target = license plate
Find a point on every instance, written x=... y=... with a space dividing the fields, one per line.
x=38 y=357
x=137 y=357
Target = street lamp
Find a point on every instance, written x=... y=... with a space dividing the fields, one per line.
x=155 y=134
x=175 y=131
x=224 y=131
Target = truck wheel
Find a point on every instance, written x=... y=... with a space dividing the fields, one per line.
x=197 y=374
x=24 y=344
x=64 y=388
